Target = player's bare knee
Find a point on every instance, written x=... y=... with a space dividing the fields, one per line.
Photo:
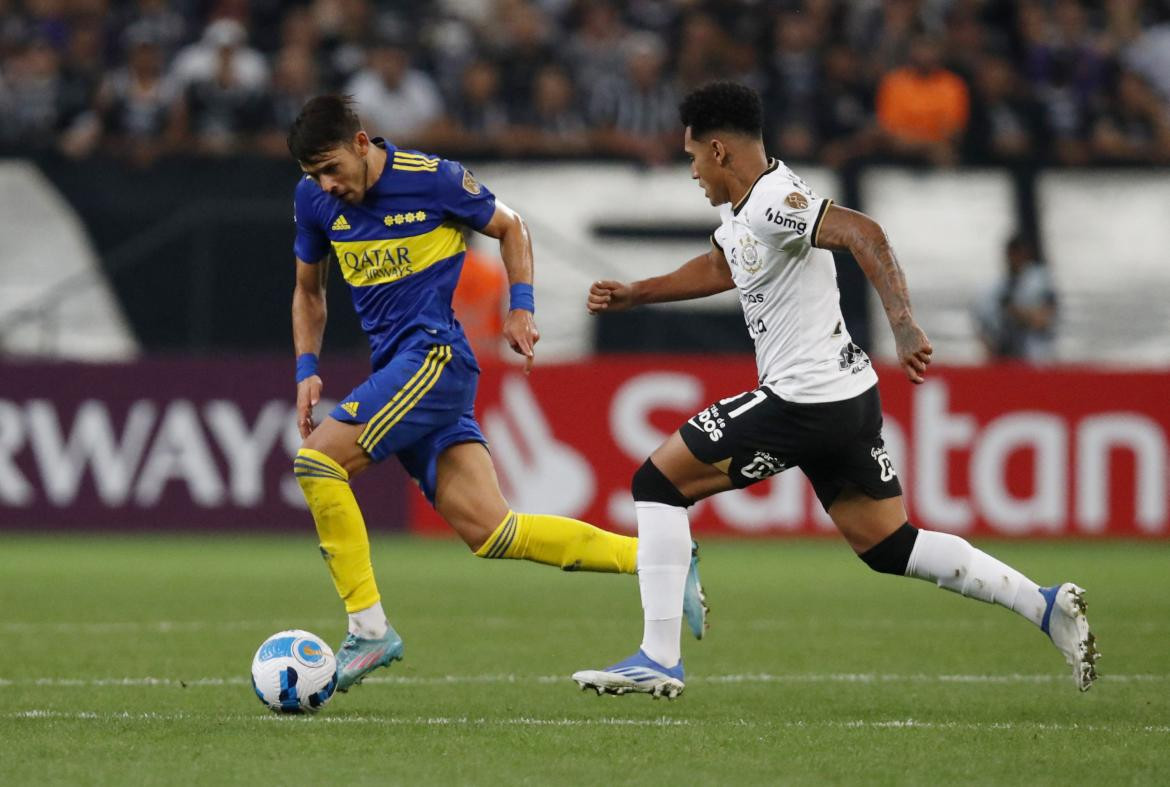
x=339 y=451
x=650 y=485
x=891 y=555
x=317 y=441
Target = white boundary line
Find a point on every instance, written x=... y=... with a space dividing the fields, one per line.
x=441 y=680
x=157 y=626
x=530 y=721
x=771 y=624
x=432 y=721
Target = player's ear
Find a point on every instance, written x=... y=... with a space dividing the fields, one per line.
x=718 y=151
x=361 y=143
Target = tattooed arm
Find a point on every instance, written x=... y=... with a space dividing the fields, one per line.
x=847 y=230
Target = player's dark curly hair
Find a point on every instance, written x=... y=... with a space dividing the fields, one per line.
x=722 y=106
x=325 y=123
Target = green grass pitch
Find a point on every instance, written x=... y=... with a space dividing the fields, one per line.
x=125 y=661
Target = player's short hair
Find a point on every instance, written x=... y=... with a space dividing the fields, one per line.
x=325 y=122
x=722 y=106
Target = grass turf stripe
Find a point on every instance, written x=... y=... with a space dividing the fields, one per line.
x=437 y=680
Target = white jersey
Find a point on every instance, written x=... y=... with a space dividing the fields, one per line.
x=788 y=289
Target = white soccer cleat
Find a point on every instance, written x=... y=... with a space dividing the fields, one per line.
x=695 y=607
x=1066 y=625
x=637 y=674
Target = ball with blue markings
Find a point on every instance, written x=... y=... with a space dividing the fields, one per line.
x=294 y=672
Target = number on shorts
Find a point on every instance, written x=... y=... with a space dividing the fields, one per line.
x=757 y=397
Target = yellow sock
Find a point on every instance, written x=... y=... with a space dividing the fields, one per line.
x=340 y=527
x=560 y=541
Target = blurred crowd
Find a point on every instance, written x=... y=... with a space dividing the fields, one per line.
x=940 y=82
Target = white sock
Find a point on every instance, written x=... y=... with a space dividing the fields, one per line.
x=369 y=623
x=664 y=557
x=959 y=567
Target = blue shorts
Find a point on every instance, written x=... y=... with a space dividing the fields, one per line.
x=416 y=406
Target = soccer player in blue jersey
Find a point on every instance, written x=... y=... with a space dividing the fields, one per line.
x=394 y=221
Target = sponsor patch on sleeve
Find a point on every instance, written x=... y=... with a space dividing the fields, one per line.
x=796 y=201
x=470 y=184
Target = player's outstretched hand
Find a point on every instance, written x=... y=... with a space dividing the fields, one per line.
x=914 y=350
x=308 y=394
x=609 y=296
x=520 y=331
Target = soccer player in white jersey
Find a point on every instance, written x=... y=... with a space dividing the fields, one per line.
x=816 y=406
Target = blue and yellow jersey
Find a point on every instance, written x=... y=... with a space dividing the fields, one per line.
x=401 y=249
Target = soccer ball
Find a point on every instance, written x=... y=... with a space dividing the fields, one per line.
x=294 y=672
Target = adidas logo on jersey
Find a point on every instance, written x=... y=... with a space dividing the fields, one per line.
x=340 y=224
x=351 y=408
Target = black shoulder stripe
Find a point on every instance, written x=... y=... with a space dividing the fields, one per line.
x=816 y=228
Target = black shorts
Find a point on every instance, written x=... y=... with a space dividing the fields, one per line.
x=833 y=443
